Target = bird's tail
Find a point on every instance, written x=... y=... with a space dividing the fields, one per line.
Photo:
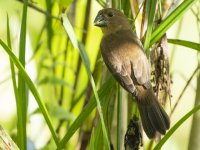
x=153 y=116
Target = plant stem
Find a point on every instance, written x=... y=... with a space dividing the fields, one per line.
x=119 y=118
x=194 y=139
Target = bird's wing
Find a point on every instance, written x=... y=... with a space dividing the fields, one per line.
x=120 y=73
x=141 y=69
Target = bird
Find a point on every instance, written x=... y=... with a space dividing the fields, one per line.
x=124 y=56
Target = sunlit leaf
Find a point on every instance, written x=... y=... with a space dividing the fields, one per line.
x=22 y=101
x=192 y=45
x=170 y=20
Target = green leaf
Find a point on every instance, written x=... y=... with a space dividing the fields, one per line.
x=92 y=140
x=175 y=127
x=170 y=20
x=77 y=45
x=151 y=7
x=22 y=100
x=195 y=46
x=14 y=82
x=32 y=88
x=49 y=28
x=119 y=118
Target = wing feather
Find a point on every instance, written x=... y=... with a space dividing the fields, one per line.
x=120 y=72
x=141 y=69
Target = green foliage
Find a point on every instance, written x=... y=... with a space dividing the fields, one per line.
x=151 y=8
x=170 y=20
x=79 y=100
x=104 y=91
x=22 y=101
x=192 y=45
x=33 y=89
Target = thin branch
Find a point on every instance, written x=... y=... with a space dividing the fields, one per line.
x=195 y=129
x=60 y=101
x=183 y=91
x=40 y=10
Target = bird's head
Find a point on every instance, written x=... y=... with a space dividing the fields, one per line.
x=111 y=20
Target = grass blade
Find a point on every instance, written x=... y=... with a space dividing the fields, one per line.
x=32 y=88
x=195 y=128
x=175 y=127
x=14 y=82
x=22 y=93
x=151 y=7
x=49 y=26
x=119 y=118
x=86 y=63
x=193 y=45
x=170 y=20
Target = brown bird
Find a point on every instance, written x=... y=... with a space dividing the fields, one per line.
x=124 y=56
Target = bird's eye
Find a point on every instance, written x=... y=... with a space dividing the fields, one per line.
x=110 y=14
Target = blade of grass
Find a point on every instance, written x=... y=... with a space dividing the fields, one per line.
x=32 y=5
x=92 y=141
x=151 y=7
x=184 y=89
x=119 y=118
x=170 y=20
x=193 y=45
x=195 y=128
x=22 y=100
x=104 y=90
x=175 y=127
x=33 y=90
x=77 y=45
x=14 y=82
x=49 y=26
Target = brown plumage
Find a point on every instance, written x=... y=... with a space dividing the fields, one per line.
x=124 y=56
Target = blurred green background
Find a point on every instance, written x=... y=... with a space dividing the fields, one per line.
x=59 y=74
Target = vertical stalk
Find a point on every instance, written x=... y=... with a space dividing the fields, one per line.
x=14 y=81
x=119 y=118
x=194 y=139
x=22 y=102
x=60 y=101
x=151 y=9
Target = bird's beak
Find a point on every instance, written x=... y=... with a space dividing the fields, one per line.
x=100 y=21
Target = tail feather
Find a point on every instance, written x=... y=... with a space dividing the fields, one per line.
x=153 y=116
x=148 y=127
